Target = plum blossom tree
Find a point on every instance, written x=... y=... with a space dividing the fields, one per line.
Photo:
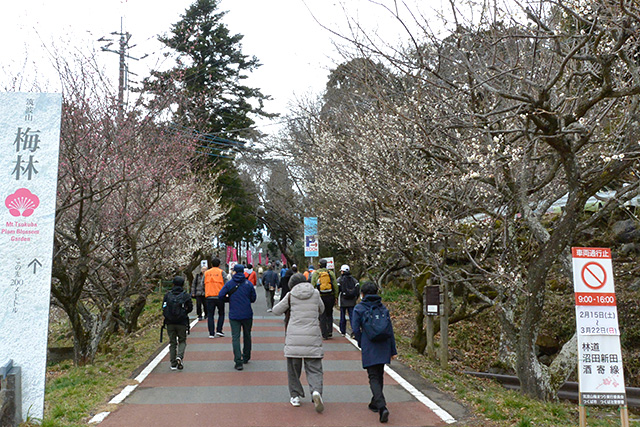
x=470 y=141
x=129 y=208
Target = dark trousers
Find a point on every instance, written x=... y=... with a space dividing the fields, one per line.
x=326 y=318
x=212 y=305
x=177 y=342
x=376 y=382
x=244 y=355
x=201 y=306
x=343 y=319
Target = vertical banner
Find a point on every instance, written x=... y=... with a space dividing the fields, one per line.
x=234 y=255
x=311 y=248
x=228 y=260
x=283 y=259
x=249 y=257
x=29 y=145
x=600 y=371
x=260 y=258
x=266 y=261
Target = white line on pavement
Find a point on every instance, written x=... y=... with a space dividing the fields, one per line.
x=444 y=415
x=98 y=418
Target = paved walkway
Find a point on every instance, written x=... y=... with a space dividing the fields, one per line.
x=210 y=392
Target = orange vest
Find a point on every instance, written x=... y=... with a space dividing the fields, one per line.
x=251 y=277
x=213 y=282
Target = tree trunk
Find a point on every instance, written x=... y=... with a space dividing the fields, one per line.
x=534 y=377
x=419 y=340
x=133 y=314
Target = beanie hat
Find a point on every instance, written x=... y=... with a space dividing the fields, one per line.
x=295 y=279
x=239 y=268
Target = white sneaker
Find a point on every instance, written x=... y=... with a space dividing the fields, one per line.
x=219 y=334
x=212 y=336
x=295 y=401
x=317 y=401
x=269 y=310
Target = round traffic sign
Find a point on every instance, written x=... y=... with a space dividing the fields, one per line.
x=594 y=275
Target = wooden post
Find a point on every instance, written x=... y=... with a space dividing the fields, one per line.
x=444 y=325
x=431 y=349
x=624 y=416
x=582 y=411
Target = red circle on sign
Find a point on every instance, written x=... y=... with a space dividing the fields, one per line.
x=594 y=275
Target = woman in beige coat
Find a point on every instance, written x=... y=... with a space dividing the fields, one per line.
x=303 y=339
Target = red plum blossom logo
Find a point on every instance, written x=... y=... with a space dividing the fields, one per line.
x=22 y=203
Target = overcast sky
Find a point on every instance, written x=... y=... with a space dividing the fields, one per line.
x=285 y=35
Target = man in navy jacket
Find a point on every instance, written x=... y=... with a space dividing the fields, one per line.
x=241 y=294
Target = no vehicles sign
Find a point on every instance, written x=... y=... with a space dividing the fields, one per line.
x=600 y=369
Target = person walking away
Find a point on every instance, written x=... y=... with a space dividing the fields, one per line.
x=308 y=273
x=251 y=275
x=260 y=274
x=303 y=339
x=374 y=333
x=214 y=280
x=176 y=307
x=241 y=295
x=284 y=282
x=324 y=280
x=197 y=293
x=349 y=290
x=270 y=283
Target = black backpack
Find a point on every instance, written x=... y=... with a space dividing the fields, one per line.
x=376 y=324
x=173 y=308
x=349 y=288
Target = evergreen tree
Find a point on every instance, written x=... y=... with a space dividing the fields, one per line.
x=206 y=92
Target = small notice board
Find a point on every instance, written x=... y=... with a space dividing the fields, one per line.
x=600 y=370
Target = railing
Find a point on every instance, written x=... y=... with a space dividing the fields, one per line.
x=568 y=391
x=10 y=395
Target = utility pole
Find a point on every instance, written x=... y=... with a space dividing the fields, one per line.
x=123 y=69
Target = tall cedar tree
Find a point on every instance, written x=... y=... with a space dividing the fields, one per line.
x=208 y=82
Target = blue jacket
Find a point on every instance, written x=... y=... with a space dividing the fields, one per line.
x=240 y=301
x=270 y=278
x=373 y=353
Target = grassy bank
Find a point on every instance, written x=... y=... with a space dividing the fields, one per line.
x=495 y=406
x=74 y=394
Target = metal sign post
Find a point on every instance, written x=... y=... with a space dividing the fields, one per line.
x=600 y=370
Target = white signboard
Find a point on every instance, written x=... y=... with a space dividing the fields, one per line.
x=600 y=369
x=330 y=263
x=29 y=142
x=204 y=264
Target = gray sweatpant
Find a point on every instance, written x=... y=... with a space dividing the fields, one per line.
x=313 y=369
